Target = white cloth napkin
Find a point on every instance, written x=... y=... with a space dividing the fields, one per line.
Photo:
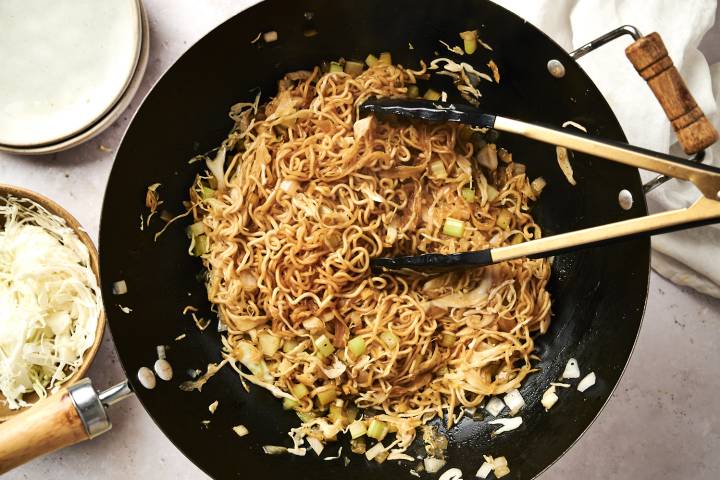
x=690 y=257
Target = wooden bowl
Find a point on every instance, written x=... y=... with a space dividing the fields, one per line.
x=55 y=209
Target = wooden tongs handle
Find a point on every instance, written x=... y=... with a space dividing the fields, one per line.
x=650 y=58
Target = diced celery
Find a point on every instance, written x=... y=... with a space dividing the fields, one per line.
x=336 y=413
x=377 y=430
x=357 y=429
x=326 y=396
x=335 y=67
x=468 y=194
x=207 y=192
x=503 y=219
x=517 y=238
x=470 y=41
x=300 y=391
x=202 y=245
x=447 y=339
x=351 y=413
x=386 y=58
x=492 y=193
x=269 y=343
x=353 y=68
x=431 y=94
x=371 y=60
x=324 y=346
x=454 y=228
x=438 y=169
x=357 y=346
x=413 y=91
x=197 y=228
x=289 y=404
x=289 y=345
x=389 y=339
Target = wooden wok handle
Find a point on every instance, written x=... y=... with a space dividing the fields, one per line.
x=65 y=418
x=651 y=60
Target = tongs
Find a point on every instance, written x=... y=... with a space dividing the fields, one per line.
x=704 y=211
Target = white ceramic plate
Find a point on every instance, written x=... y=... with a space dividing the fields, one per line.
x=66 y=63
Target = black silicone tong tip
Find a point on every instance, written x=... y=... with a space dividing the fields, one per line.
x=426 y=110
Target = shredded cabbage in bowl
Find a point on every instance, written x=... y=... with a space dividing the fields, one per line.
x=50 y=302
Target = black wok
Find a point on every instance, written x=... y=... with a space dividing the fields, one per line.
x=598 y=295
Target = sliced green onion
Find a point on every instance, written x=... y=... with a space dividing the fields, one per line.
x=447 y=339
x=431 y=94
x=470 y=40
x=386 y=58
x=371 y=60
x=202 y=245
x=335 y=67
x=453 y=227
x=357 y=346
x=468 y=194
x=324 y=346
x=327 y=396
x=377 y=430
x=300 y=391
x=269 y=343
x=503 y=219
x=438 y=169
x=357 y=429
x=289 y=404
x=389 y=339
x=353 y=68
x=413 y=91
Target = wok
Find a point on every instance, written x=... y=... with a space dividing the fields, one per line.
x=598 y=295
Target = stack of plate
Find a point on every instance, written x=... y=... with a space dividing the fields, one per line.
x=70 y=67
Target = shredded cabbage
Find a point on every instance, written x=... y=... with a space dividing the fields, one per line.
x=49 y=301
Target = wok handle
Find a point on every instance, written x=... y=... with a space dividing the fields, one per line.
x=650 y=58
x=65 y=418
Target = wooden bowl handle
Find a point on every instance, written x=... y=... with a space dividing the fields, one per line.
x=65 y=418
x=651 y=60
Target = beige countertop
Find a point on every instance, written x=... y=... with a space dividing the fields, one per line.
x=661 y=422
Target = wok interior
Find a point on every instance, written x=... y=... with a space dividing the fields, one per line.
x=598 y=295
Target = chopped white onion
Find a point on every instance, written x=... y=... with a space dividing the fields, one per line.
x=451 y=474
x=558 y=384
x=484 y=470
x=126 y=310
x=327 y=459
x=413 y=473
x=300 y=452
x=563 y=158
x=574 y=124
x=549 y=398
x=241 y=430
x=433 y=465
x=213 y=406
x=374 y=451
x=289 y=186
x=119 y=288
x=587 y=382
x=316 y=445
x=495 y=406
x=514 y=401
x=572 y=369
x=507 y=424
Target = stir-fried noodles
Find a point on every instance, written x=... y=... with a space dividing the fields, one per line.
x=295 y=203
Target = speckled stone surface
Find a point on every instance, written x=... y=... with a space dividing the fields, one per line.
x=662 y=421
